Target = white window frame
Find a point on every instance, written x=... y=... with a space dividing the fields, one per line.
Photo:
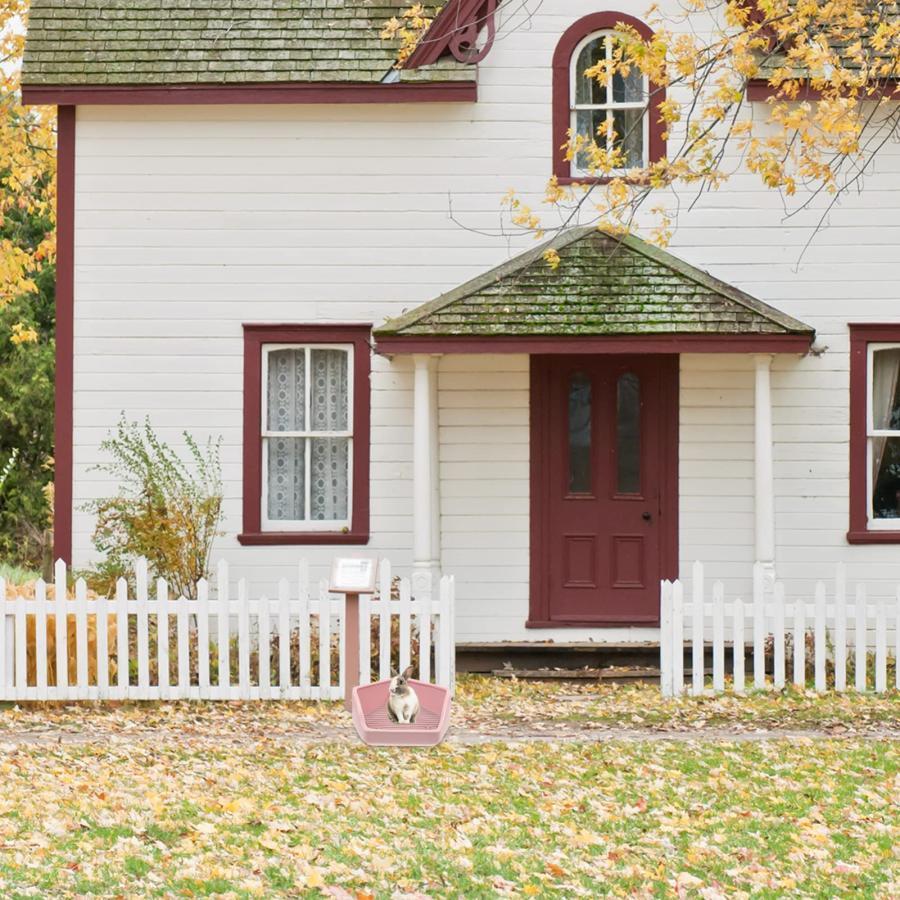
x=873 y=432
x=610 y=105
x=307 y=524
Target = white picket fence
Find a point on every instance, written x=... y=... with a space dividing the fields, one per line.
x=837 y=627
x=107 y=642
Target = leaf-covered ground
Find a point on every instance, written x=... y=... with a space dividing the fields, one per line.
x=584 y=800
x=484 y=709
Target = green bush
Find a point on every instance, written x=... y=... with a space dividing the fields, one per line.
x=166 y=509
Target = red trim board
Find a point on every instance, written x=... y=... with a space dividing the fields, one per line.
x=760 y=89
x=663 y=343
x=217 y=94
x=255 y=335
x=454 y=19
x=65 y=320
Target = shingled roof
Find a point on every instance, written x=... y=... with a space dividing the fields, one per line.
x=155 y=42
x=605 y=285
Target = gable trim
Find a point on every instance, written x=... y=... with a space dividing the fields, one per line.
x=275 y=92
x=456 y=26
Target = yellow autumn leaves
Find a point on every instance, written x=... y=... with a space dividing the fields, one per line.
x=28 y=176
x=830 y=72
x=409 y=28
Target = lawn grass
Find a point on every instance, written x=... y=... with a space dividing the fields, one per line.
x=645 y=818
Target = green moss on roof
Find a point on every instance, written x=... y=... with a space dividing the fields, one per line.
x=604 y=285
x=72 y=42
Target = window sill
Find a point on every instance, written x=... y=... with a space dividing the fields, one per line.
x=873 y=537
x=286 y=538
x=567 y=180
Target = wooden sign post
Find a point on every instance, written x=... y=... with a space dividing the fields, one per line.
x=352 y=576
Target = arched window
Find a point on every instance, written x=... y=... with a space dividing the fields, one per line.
x=625 y=109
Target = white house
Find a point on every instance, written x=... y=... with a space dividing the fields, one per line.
x=269 y=233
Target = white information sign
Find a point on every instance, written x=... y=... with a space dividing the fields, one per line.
x=353 y=575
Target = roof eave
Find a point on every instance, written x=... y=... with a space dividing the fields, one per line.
x=673 y=343
x=266 y=92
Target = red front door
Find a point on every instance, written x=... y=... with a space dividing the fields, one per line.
x=604 y=447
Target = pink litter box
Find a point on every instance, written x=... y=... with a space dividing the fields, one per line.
x=370 y=716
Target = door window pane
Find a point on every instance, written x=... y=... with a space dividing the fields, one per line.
x=628 y=434
x=579 y=434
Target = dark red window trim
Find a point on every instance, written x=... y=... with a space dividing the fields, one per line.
x=274 y=92
x=861 y=335
x=562 y=58
x=254 y=338
x=65 y=318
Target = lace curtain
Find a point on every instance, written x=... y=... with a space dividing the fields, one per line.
x=329 y=410
x=327 y=398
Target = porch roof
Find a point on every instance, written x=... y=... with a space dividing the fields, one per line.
x=606 y=287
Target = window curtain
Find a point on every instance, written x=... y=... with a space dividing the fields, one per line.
x=286 y=405
x=885 y=414
x=329 y=411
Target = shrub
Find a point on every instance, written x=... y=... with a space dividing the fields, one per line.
x=166 y=510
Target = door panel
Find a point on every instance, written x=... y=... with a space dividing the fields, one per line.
x=603 y=501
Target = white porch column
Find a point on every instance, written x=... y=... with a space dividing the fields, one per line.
x=426 y=521
x=764 y=507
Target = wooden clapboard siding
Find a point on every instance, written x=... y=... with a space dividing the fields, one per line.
x=190 y=222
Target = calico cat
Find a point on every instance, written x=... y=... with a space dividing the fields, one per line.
x=403 y=703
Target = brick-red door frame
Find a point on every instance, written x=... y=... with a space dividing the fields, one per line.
x=540 y=528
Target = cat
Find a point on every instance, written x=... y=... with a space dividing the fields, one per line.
x=403 y=703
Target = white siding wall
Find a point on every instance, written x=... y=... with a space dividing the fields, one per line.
x=192 y=220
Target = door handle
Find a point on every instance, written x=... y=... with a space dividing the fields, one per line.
x=646 y=516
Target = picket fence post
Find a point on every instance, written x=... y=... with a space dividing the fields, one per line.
x=698 y=654
x=859 y=631
x=759 y=626
x=819 y=637
x=384 y=620
x=718 y=636
x=738 y=647
x=665 y=639
x=840 y=629
x=778 y=674
x=60 y=600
